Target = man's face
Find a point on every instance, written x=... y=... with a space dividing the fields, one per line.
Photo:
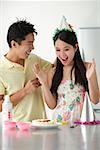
x=24 y=49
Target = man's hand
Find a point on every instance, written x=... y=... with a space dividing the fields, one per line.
x=1 y=101
x=1 y=97
x=32 y=85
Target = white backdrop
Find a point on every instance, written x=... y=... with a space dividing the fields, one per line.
x=89 y=39
x=46 y=15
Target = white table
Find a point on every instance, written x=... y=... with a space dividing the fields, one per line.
x=82 y=137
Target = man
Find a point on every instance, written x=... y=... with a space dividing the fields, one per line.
x=17 y=78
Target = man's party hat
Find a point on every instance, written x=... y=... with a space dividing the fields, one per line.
x=87 y=111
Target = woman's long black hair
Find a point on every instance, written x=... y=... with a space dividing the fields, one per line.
x=80 y=70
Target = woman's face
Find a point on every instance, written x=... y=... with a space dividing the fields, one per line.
x=65 y=52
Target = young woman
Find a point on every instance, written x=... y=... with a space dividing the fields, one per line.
x=65 y=84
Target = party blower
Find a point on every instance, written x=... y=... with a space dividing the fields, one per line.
x=87 y=111
x=87 y=115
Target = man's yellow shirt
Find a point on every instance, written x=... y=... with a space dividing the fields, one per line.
x=13 y=78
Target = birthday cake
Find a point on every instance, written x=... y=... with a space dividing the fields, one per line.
x=40 y=122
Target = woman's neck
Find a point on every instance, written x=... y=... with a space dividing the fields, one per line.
x=67 y=72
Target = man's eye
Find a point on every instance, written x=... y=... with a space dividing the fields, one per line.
x=66 y=49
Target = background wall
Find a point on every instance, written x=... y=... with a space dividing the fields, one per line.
x=46 y=15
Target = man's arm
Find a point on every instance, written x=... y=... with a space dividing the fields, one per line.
x=45 y=65
x=30 y=87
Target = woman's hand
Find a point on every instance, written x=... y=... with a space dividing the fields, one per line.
x=90 y=70
x=40 y=74
x=92 y=82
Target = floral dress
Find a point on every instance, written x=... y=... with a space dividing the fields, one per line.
x=69 y=95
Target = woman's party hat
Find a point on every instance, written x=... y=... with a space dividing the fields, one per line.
x=65 y=25
x=87 y=111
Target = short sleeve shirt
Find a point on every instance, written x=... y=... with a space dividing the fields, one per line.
x=13 y=78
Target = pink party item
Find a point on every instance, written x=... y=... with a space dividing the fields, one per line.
x=23 y=125
x=88 y=123
x=9 y=125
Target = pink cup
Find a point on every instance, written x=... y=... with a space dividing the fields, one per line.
x=23 y=125
x=10 y=125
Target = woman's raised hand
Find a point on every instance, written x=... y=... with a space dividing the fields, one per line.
x=90 y=70
x=40 y=74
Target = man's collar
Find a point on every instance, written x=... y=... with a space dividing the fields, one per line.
x=9 y=63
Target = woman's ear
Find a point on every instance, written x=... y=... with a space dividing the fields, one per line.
x=76 y=47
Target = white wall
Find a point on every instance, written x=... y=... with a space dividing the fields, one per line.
x=46 y=15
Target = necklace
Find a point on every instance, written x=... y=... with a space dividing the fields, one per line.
x=71 y=85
